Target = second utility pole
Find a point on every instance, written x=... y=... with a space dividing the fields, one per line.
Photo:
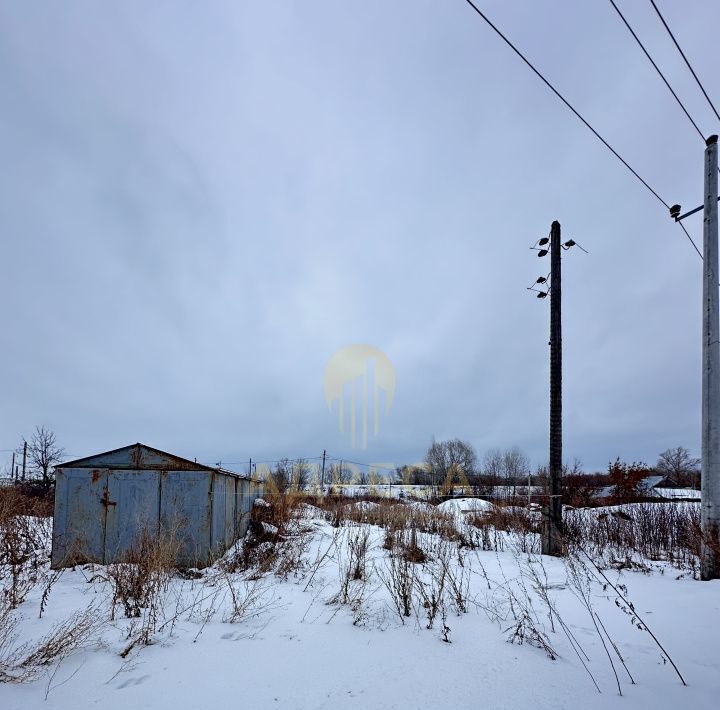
x=710 y=456
x=552 y=523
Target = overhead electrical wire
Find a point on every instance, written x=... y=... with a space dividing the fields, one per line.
x=657 y=69
x=254 y=463
x=384 y=467
x=682 y=54
x=552 y=88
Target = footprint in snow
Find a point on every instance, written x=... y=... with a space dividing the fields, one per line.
x=133 y=681
x=231 y=636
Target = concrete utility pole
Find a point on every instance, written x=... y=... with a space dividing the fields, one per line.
x=552 y=529
x=710 y=493
x=552 y=543
x=24 y=459
x=322 y=475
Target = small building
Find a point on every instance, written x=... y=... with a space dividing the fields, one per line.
x=105 y=504
x=657 y=487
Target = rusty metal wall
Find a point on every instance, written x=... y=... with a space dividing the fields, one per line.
x=79 y=518
x=185 y=514
x=230 y=499
x=217 y=540
x=132 y=505
x=101 y=512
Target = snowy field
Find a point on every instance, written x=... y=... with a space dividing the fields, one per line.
x=319 y=622
x=421 y=492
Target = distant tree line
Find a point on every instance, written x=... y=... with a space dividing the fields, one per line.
x=452 y=466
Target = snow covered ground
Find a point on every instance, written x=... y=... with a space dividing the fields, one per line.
x=460 y=506
x=313 y=638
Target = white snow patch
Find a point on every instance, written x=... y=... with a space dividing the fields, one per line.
x=269 y=529
x=458 y=506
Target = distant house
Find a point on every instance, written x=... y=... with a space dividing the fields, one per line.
x=648 y=485
x=105 y=503
x=656 y=486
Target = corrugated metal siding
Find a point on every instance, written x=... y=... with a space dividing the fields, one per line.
x=185 y=514
x=132 y=503
x=217 y=540
x=79 y=518
x=230 y=511
x=101 y=510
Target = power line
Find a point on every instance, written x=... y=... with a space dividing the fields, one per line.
x=359 y=463
x=682 y=54
x=565 y=101
x=687 y=234
x=240 y=463
x=577 y=113
x=657 y=69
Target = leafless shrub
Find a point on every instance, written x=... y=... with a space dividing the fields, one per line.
x=668 y=532
x=353 y=566
x=522 y=524
x=623 y=603
x=322 y=557
x=358 y=546
x=50 y=577
x=399 y=579
x=144 y=573
x=395 y=515
x=248 y=599
x=445 y=632
x=431 y=591
x=141 y=580
x=512 y=605
x=274 y=541
x=23 y=663
x=290 y=556
x=525 y=629
x=457 y=576
x=281 y=505
x=407 y=542
x=24 y=550
x=28 y=498
x=581 y=582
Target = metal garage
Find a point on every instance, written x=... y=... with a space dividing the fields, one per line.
x=103 y=503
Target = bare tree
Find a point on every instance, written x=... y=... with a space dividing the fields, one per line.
x=43 y=454
x=340 y=473
x=492 y=468
x=679 y=465
x=300 y=474
x=516 y=467
x=449 y=459
x=413 y=475
x=279 y=478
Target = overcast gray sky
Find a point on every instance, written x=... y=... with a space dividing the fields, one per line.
x=201 y=202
